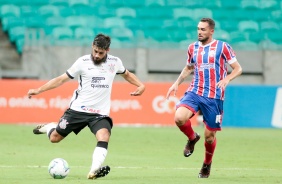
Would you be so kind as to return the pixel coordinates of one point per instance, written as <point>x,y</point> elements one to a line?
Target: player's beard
<point>203,40</point>
<point>98,61</point>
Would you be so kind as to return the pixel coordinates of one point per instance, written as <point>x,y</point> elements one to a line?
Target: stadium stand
<point>252,22</point>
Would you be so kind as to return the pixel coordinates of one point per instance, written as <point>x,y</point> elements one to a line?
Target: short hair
<point>102,41</point>
<point>209,21</point>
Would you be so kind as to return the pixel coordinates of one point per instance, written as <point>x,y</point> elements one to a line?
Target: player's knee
<point>54,139</point>
<point>179,121</point>
<point>210,140</point>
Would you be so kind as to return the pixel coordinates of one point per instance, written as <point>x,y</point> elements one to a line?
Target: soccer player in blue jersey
<point>208,59</point>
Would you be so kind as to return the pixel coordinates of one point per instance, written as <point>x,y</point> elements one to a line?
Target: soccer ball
<point>58,168</point>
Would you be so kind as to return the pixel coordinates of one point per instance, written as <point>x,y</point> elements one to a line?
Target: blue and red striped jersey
<point>210,66</point>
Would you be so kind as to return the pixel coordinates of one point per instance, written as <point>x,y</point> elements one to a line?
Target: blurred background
<point>40,39</point>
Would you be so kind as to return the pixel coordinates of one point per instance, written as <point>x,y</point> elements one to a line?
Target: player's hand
<point>174,88</point>
<point>32,92</point>
<point>138,91</point>
<point>223,83</point>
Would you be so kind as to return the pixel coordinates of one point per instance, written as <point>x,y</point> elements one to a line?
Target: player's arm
<point>236,71</point>
<point>187,70</point>
<point>132,79</point>
<point>53,83</point>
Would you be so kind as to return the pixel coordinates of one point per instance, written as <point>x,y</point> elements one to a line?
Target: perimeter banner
<point>149,109</point>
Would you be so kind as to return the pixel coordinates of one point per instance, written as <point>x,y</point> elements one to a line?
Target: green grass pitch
<point>146,155</point>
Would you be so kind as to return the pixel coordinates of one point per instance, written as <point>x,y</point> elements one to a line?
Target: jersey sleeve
<point>74,70</point>
<point>120,67</point>
<point>229,54</point>
<point>189,60</point>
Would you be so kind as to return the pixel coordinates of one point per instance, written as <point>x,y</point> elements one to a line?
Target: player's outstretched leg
<point>43,128</point>
<point>205,171</point>
<point>103,171</point>
<point>189,147</point>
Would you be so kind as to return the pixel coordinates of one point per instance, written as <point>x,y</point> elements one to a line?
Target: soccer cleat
<point>205,171</point>
<point>40,129</point>
<point>103,171</point>
<point>189,147</point>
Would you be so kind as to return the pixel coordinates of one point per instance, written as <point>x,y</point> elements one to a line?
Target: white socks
<point>49,126</point>
<point>98,158</point>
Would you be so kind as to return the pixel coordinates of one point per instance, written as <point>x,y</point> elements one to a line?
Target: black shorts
<point>74,121</point>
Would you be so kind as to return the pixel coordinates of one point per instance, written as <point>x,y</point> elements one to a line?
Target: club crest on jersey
<point>63,123</point>
<point>111,68</point>
<point>211,53</point>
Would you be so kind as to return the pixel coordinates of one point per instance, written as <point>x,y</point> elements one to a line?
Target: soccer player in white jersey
<point>208,59</point>
<point>90,103</point>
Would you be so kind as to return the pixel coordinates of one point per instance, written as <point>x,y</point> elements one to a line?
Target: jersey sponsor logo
<point>100,86</point>
<point>204,66</point>
<point>90,68</point>
<point>211,53</point>
<point>88,109</point>
<point>86,59</point>
<point>63,123</point>
<point>96,82</point>
<point>112,58</point>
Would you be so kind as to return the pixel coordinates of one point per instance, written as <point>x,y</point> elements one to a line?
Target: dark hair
<point>102,41</point>
<point>209,21</point>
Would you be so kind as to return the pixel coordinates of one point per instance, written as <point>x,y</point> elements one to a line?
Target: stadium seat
<point>84,32</point>
<point>156,3</point>
<point>222,35</point>
<point>183,13</point>
<point>48,11</point>
<point>212,5</point>
<point>270,45</point>
<point>133,24</point>
<point>174,3</point>
<point>188,24</point>
<point>154,12</point>
<point>34,22</point>
<point>61,33</point>
<point>201,13</point>
<point>9,10</point>
<point>228,25</point>
<point>29,11</point>
<point>222,15</point>
<point>269,26</point>
<point>274,37</point>
<point>59,2</point>
<point>126,12</point>
<point>256,36</point>
<point>245,45</point>
<point>85,10</point>
<point>253,4</point>
<point>112,22</point>
<point>9,22</point>
<point>151,23</point>
<point>106,12</point>
<point>269,4</point>
<point>53,22</point>
<point>67,11</point>
<point>231,5</point>
<point>74,22</point>
<point>177,35</point>
<point>116,3</point>
<point>183,44</point>
<point>238,36</point>
<point>242,14</point>
<point>276,15</point>
<point>123,34</point>
<point>84,35</point>
<point>170,24</point>
<point>16,33</point>
<point>248,26</point>
<point>135,4</point>
<point>75,3</point>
